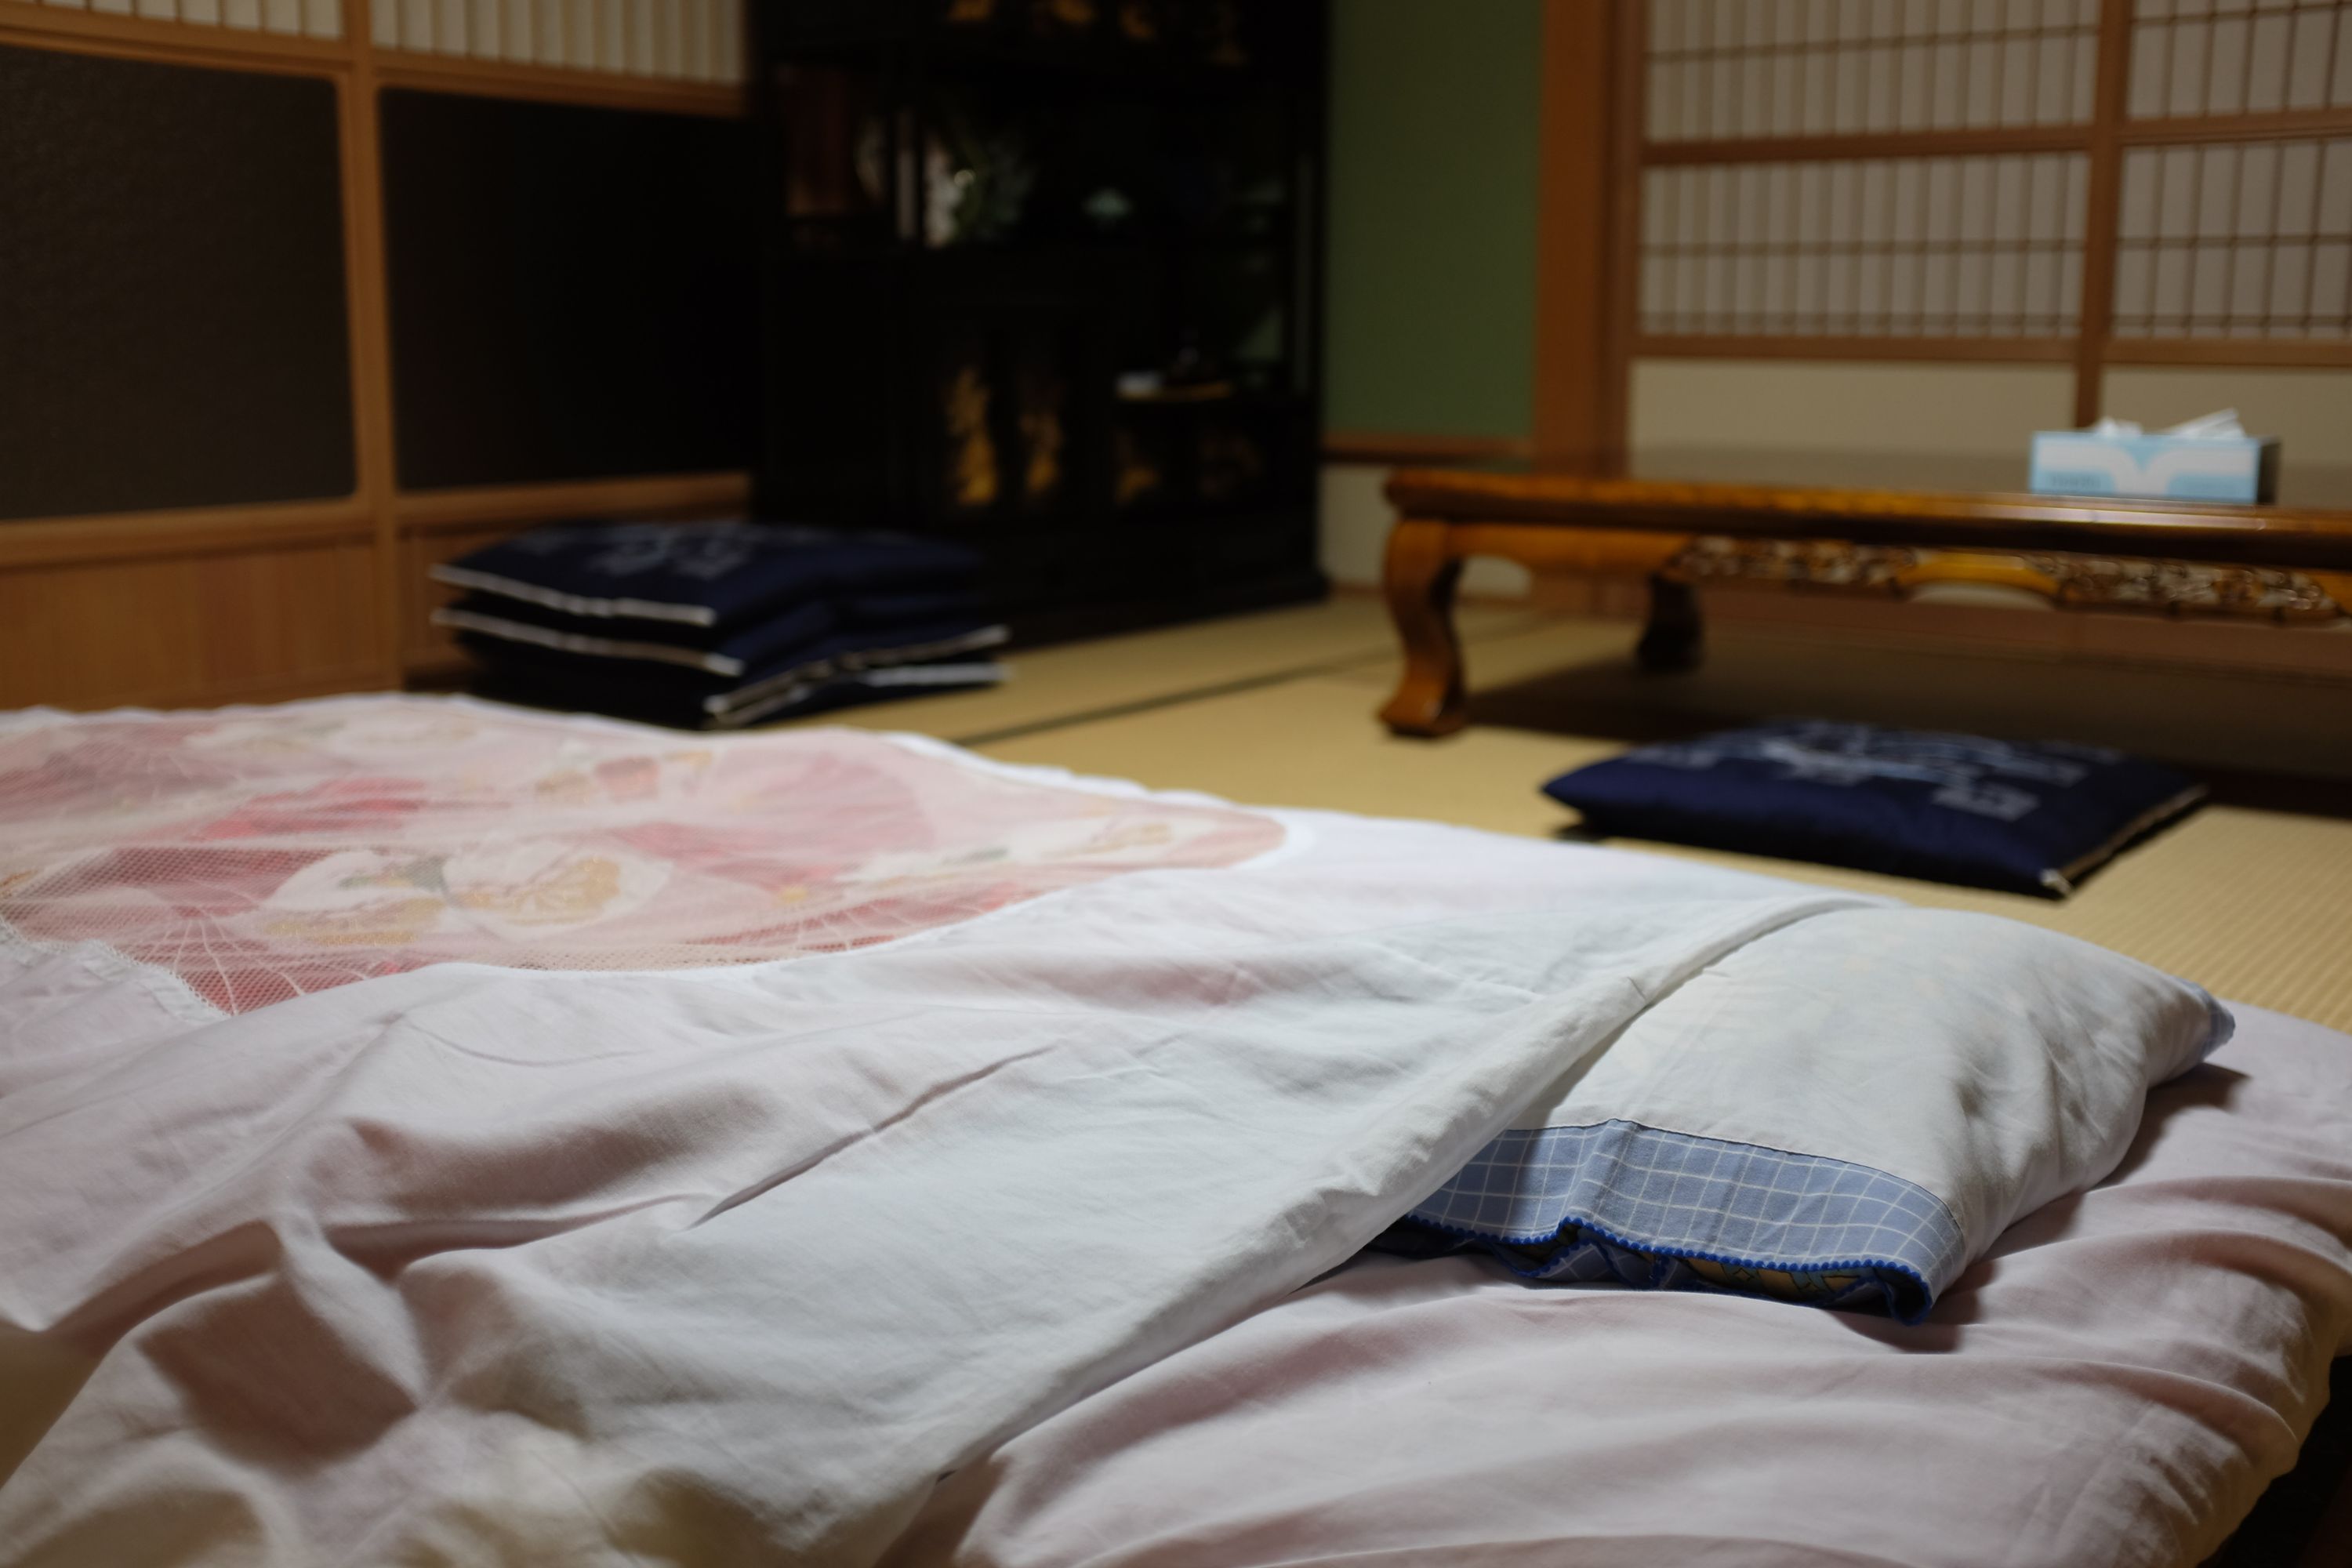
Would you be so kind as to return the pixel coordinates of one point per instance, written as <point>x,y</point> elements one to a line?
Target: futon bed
<point>436,1132</point>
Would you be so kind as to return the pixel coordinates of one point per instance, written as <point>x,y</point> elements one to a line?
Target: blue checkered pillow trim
<point>1620,1201</point>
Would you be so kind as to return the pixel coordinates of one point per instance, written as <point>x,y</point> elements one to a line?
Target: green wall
<point>1430,302</point>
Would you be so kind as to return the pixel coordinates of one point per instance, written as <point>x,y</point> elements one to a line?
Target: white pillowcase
<point>1846,1094</point>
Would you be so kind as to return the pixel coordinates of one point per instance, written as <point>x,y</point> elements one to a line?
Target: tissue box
<point>2157,468</point>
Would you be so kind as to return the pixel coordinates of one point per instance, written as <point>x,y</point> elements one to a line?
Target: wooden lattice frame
<point>404,530</point>
<point>2105,139</point>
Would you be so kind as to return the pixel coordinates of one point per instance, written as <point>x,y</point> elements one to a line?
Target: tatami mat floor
<point>2252,897</point>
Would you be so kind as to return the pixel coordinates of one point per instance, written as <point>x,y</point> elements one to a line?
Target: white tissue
<point>2220,426</point>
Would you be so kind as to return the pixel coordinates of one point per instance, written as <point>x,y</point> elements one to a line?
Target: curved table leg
<point>1418,579</point>
<point>1675,638</point>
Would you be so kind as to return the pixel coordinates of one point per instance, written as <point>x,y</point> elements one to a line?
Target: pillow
<point>700,574</point>
<point>1849,1144</point>
<point>1948,809</point>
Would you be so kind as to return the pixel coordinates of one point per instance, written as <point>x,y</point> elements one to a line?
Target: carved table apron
<point>2274,563</point>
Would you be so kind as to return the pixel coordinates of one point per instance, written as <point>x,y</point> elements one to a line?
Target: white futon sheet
<point>2113,1385</point>
<point>425,1194</point>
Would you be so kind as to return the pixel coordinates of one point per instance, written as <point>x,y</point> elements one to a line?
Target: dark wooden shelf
<point>969,388</point>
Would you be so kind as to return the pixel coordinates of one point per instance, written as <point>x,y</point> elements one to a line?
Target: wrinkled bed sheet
<point>483,1262</point>
<point>2113,1385</point>
<point>316,1244</point>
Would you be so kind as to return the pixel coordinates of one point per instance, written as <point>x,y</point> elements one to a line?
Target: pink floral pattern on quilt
<point>262,853</point>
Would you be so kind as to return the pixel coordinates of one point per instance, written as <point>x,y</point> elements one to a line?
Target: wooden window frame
<point>1596,150</point>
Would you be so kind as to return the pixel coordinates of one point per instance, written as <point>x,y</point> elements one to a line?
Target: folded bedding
<point>705,575</point>
<point>911,609</point>
<point>720,670</point>
<point>428,1131</point>
<point>554,669</point>
<point>730,654</point>
<point>717,625</point>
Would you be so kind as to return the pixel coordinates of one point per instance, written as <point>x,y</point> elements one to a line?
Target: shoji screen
<point>2224,239</point>
<point>691,40</point>
<point>684,40</point>
<point>1868,171</point>
<point>1984,252</point>
<point>2075,181</point>
<point>307,18</point>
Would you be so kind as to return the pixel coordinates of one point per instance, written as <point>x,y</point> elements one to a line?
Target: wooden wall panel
<point>180,180</point>
<point>171,287</point>
<point>571,291</point>
<point>251,625</point>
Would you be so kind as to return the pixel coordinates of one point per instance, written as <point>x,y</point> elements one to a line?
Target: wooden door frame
<point>1587,232</point>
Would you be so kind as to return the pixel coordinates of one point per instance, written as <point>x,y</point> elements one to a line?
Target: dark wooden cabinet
<point>1044,274</point>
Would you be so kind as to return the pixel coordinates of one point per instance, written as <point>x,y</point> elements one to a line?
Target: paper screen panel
<point>305,18</point>
<point>1725,69</point>
<point>670,40</point>
<point>1976,246</point>
<point>2198,57</point>
<point>673,40</point>
<point>261,853</point>
<point>2236,240</point>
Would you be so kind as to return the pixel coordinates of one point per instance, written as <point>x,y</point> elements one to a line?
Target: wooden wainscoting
<point>257,621</point>
<point>259,604</point>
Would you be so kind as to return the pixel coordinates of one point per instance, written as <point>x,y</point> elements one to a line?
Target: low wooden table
<point>2167,557</point>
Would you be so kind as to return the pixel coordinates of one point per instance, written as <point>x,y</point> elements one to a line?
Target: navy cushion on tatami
<point>1955,808</point>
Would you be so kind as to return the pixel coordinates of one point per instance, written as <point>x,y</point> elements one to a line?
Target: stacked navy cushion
<point>716,624</point>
